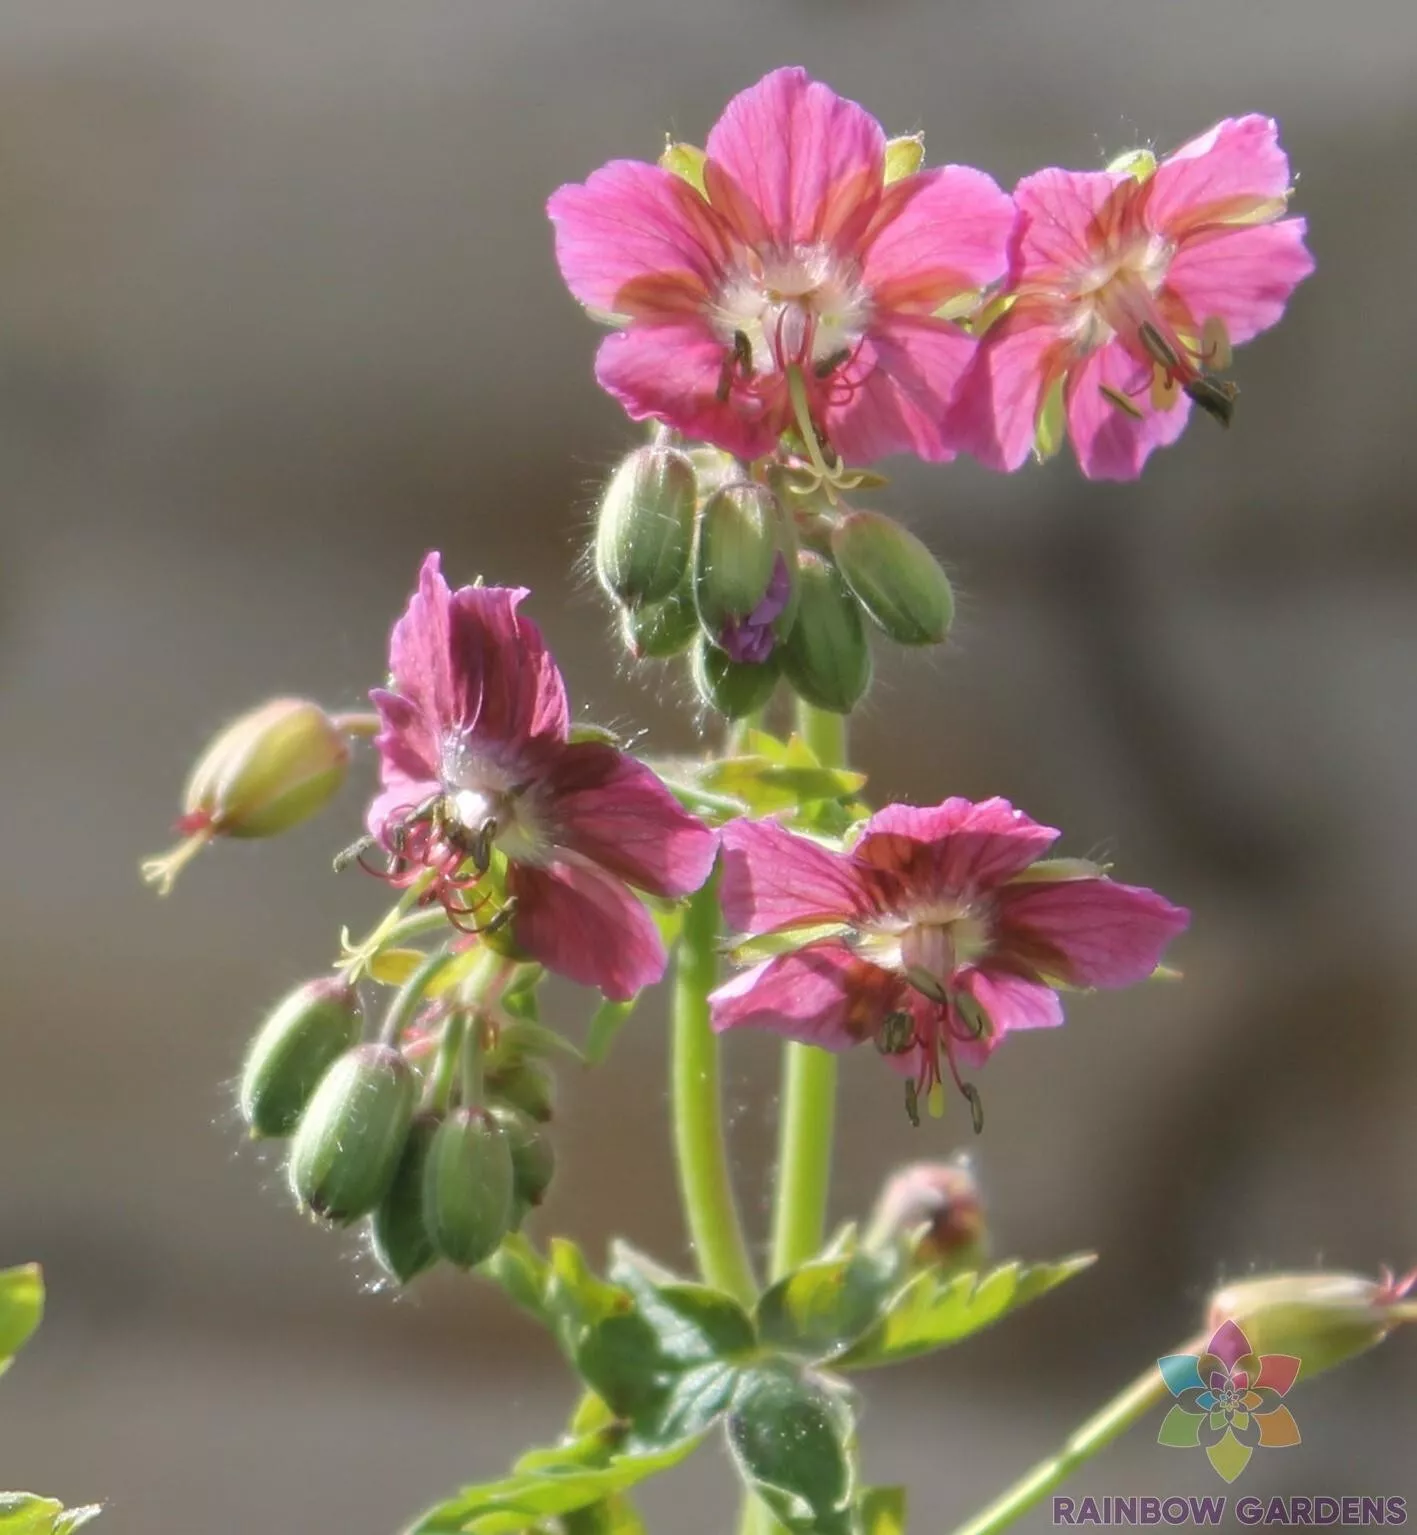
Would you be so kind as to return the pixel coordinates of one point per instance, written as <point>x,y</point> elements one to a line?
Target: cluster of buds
<point>932,1213</point>
<point>441,1163</point>
<point>759,576</point>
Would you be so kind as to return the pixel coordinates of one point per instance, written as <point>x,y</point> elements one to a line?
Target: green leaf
<point>21,1307</point>
<point>765,786</point>
<point>22,1513</point>
<point>826,1305</point>
<point>793,1439</point>
<point>694,1322</point>
<point>522,1272</point>
<point>605,1024</point>
<point>692,1405</point>
<point>883,1511</point>
<point>615,1516</point>
<point>934,1310</point>
<point>554,1483</point>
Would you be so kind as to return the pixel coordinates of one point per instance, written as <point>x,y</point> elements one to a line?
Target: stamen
<point>1215,396</point>
<point>1122,402</point>
<point>896,1034</point>
<point>1157,347</point>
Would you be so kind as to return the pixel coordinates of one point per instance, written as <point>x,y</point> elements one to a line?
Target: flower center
<point>928,945</point>
<point>487,807</point>
<point>805,305</point>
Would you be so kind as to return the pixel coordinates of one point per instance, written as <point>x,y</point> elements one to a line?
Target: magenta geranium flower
<point>475,760</point>
<point>784,264</point>
<point>1130,286</point>
<point>936,934</point>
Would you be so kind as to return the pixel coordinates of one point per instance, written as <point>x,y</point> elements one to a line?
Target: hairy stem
<point>707,1191</point>
<point>809,1086</point>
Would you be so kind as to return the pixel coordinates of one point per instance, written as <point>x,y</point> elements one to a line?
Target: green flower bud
<point>744,558</point>
<point>894,577</point>
<point>1322,1319</point>
<point>732,688</point>
<point>933,1210</point>
<point>398,1233</point>
<point>524,1085</point>
<point>656,630</point>
<point>533,1157</point>
<point>467,1187</point>
<point>295,1047</point>
<point>645,527</point>
<point>826,658</point>
<point>713,468</point>
<point>350,1138</point>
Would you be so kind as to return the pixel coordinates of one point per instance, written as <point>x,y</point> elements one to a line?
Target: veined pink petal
<point>822,995</point>
<point>1087,932</point>
<point>808,158</point>
<point>1227,172</point>
<point>409,740</point>
<point>1010,1001</point>
<point>421,652</point>
<point>1244,276</point>
<point>774,879</point>
<point>995,411</point>
<point>954,846</point>
<point>637,240</point>
<point>584,924</point>
<point>511,689</point>
<point>937,234</point>
<point>1067,220</point>
<point>913,363</point>
<point>614,811</point>
<point>671,373</point>
<point>1110,443</point>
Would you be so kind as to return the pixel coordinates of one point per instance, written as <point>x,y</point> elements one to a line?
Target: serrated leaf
<point>693,1322</point>
<point>693,1404</point>
<point>24,1513</point>
<point>605,1024</point>
<point>882,1511</point>
<point>821,1308</point>
<point>21,1308</point>
<point>933,1311</point>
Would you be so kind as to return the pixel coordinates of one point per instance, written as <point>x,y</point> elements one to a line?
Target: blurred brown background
<point>277,313</point>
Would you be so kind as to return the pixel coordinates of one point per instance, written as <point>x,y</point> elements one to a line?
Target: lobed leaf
<point>822,1308</point>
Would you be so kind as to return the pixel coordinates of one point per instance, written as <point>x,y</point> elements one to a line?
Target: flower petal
<point>1011,1001</point>
<point>409,741</point>
<point>671,373</point>
<point>636,240</point>
<point>913,365</point>
<point>1087,932</point>
<point>954,846</point>
<point>1067,220</point>
<point>937,234</point>
<point>822,995</point>
<point>509,687</point>
<point>995,411</point>
<point>585,925</point>
<point>807,158</point>
<point>401,796</point>
<point>774,879</point>
<point>613,810</point>
<point>421,662</point>
<point>1111,443</point>
<point>1244,276</point>
<point>1229,172</point>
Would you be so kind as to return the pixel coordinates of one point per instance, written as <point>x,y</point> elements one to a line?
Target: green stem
<point>1144,1393</point>
<point>804,1144</point>
<point>409,995</point>
<point>709,1206</point>
<point>440,1082</point>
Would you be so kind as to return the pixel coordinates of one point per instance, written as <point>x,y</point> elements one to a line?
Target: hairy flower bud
<point>398,1234</point>
<point>894,577</point>
<point>935,1207</point>
<point>826,657</point>
<point>350,1138</point>
<point>467,1187</point>
<point>526,1086</point>
<point>744,571</point>
<point>655,631</point>
<point>296,1045</point>
<point>264,774</point>
<point>1321,1319</point>
<point>645,526</point>
<point>533,1156</point>
<point>732,688</point>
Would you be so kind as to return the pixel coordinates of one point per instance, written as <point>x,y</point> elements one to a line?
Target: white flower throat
<point>806,305</point>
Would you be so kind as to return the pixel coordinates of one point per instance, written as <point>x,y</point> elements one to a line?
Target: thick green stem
<point>1144,1393</point>
<point>809,1086</point>
<point>410,995</point>
<point>709,1206</point>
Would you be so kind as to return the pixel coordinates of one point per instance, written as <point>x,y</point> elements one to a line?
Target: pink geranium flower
<point>1130,286</point>
<point>475,760</point>
<point>936,934</point>
<point>787,266</point>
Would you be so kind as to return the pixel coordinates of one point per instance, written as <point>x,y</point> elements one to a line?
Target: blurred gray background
<point>277,313</point>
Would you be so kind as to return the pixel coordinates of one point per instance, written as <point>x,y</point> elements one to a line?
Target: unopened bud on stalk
<point>1321,1319</point>
<point>732,688</point>
<point>894,577</point>
<point>350,1138</point>
<point>937,1206</point>
<point>645,527</point>
<point>533,1157</point>
<point>295,1047</point>
<point>264,774</point>
<point>655,631</point>
<point>526,1086</point>
<point>826,657</point>
<point>467,1187</point>
<point>398,1233</point>
<point>744,571</point>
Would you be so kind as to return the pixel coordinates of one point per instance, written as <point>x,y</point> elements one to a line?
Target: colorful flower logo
<point>1228,1400</point>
